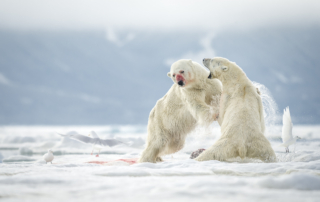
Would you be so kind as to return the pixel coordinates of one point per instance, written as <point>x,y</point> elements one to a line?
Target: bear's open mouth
<point>180,80</point>
<point>180,83</point>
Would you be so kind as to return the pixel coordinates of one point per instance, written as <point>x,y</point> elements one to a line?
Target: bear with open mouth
<point>193,99</point>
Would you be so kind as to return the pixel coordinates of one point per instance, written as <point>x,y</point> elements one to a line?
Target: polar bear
<point>240,115</point>
<point>190,100</point>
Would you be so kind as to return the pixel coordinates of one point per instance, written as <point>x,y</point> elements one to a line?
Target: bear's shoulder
<point>171,96</point>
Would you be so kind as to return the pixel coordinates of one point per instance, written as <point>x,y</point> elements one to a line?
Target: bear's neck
<point>198,84</point>
<point>230,81</point>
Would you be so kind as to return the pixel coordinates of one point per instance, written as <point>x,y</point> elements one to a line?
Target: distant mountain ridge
<point>82,78</point>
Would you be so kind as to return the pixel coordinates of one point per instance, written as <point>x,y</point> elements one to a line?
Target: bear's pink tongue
<point>179,78</point>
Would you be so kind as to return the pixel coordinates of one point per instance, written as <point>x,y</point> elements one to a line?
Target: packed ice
<point>24,175</point>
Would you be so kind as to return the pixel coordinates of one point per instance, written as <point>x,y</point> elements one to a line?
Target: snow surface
<point>24,176</point>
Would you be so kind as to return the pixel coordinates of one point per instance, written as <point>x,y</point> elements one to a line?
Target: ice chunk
<point>69,143</point>
<point>25,151</point>
<point>18,139</point>
<point>1,157</point>
<point>18,159</point>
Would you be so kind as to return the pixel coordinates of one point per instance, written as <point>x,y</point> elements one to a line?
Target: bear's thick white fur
<point>189,101</point>
<point>240,116</point>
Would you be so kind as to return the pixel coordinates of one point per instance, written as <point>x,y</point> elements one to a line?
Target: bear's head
<point>185,73</point>
<point>217,66</point>
<point>223,69</point>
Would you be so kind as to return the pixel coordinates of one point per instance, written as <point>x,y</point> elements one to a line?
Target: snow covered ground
<point>25,177</point>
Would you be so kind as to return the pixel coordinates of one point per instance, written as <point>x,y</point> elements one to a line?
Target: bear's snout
<point>206,62</point>
<point>179,77</point>
<point>180,80</point>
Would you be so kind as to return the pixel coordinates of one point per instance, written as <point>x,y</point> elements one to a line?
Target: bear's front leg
<point>149,155</point>
<point>215,104</point>
<point>200,110</point>
<point>159,159</point>
<point>151,152</point>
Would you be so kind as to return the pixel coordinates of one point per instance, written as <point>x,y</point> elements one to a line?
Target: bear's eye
<point>181,72</point>
<point>174,75</point>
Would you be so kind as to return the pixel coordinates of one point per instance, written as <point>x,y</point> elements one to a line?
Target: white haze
<point>162,15</point>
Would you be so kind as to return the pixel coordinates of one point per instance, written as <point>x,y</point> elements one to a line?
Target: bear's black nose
<point>203,60</point>
<point>180,83</point>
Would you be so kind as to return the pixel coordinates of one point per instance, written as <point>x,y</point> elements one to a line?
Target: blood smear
<point>129,161</point>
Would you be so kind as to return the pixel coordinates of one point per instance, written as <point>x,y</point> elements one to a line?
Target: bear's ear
<point>224,68</point>
<point>169,74</point>
<point>190,62</point>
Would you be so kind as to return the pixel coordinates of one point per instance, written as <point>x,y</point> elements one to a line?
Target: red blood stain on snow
<point>129,161</point>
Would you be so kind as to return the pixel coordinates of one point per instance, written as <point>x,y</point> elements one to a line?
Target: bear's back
<point>243,109</point>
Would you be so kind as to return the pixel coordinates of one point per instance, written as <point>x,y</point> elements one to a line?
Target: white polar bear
<point>190,100</point>
<point>240,116</point>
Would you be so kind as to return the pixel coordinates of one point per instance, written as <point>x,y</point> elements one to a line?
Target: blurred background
<point>105,62</point>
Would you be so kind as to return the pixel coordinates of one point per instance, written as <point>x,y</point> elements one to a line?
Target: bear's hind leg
<point>220,151</point>
<point>262,150</point>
